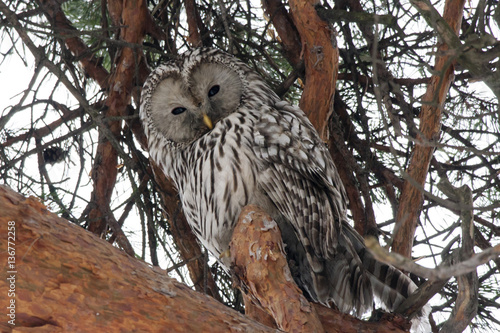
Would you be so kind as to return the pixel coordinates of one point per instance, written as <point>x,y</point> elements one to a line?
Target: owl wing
<point>300,178</point>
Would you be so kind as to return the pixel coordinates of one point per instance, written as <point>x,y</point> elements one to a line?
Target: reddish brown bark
<point>430,121</point>
<point>259,260</point>
<point>69,280</point>
<point>316,101</point>
<point>338,322</point>
<point>256,312</point>
<point>133,17</point>
<point>68,33</point>
<point>289,36</point>
<point>194,37</point>
<point>320,54</point>
<point>264,278</point>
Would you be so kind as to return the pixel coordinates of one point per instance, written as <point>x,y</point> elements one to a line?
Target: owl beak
<point>207,121</point>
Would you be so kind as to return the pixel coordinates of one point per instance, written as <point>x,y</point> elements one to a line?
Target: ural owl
<point>227,140</point>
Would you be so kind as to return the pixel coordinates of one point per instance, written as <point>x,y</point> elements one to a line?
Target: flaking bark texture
<point>261,267</point>
<point>69,280</point>
<point>262,274</point>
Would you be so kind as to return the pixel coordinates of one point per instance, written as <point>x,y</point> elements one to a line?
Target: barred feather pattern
<point>260,150</point>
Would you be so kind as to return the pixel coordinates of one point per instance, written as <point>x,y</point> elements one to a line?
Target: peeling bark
<point>67,279</point>
<point>261,267</point>
<point>263,276</point>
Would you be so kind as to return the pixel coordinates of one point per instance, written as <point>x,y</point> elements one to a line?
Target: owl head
<point>185,98</point>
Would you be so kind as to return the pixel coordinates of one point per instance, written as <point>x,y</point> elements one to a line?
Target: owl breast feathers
<point>226,140</point>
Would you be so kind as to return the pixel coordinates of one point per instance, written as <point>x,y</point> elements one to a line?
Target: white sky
<point>14,78</point>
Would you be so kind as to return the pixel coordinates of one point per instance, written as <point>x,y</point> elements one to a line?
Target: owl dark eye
<point>178,110</point>
<point>213,91</point>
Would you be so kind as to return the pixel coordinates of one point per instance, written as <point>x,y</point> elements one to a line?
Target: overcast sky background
<point>14,79</point>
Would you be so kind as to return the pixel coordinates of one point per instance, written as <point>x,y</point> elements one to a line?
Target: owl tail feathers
<point>421,323</point>
<point>348,285</point>
<point>390,286</point>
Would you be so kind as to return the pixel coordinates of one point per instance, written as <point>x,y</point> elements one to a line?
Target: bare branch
<point>438,273</point>
<point>466,304</point>
<point>468,55</point>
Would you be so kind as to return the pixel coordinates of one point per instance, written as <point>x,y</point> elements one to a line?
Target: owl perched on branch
<point>227,140</point>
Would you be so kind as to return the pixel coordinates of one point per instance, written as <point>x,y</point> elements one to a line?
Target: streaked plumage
<point>263,151</point>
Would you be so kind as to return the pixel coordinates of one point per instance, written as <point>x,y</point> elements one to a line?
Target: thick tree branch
<point>260,265</point>
<point>321,57</point>
<point>134,16</point>
<point>430,121</point>
<point>262,273</point>
<point>69,280</point>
